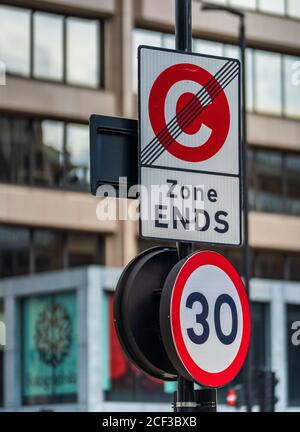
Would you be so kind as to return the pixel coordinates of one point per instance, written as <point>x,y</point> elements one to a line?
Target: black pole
<point>183,25</point>
<point>246,253</point>
<point>183,37</point>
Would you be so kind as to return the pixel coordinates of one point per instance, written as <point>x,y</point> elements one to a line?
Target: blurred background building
<point>67,59</point>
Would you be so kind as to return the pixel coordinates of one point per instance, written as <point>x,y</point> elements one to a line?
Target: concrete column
<point>94,345</point>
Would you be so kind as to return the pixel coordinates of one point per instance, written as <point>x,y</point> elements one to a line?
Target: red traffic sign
<point>192,112</point>
<point>205,319</point>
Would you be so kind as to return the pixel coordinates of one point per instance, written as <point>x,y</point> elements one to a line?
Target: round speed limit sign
<point>205,319</point>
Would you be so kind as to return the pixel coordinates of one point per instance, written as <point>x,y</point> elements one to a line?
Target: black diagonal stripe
<point>160,149</point>
<point>189,115</point>
<point>184,111</point>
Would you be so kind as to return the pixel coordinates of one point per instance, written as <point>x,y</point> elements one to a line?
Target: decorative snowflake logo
<point>53,334</point>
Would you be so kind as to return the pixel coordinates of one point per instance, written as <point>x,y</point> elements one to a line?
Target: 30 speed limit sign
<point>205,319</point>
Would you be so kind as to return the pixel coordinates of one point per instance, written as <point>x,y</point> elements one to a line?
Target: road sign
<point>189,147</point>
<point>205,319</point>
<point>136,311</point>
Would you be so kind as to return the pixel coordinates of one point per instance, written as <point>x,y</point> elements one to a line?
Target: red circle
<point>216,115</point>
<point>205,378</point>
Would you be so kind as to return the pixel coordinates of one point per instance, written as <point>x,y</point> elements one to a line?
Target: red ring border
<point>203,377</point>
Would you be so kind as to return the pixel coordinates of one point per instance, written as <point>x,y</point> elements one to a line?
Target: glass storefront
<point>49,347</point>
<point>124,382</point>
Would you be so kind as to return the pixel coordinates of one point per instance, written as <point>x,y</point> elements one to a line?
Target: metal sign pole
<point>183,35</point>
<point>187,399</point>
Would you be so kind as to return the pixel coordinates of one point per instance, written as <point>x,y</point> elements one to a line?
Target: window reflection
<point>202,46</point>
<point>144,37</point>
<point>43,152</point>
<point>269,265</point>
<point>124,381</point>
<point>249,80</point>
<point>77,155</point>
<point>15,139</point>
<point>294,267</point>
<point>268,182</point>
<point>292,169</point>
<point>84,249</point>
<point>247,4</point>
<point>14,251</point>
<point>293,8</point>
<point>48,250</point>
<point>83,38</point>
<point>48,153</point>
<point>168,41</point>
<point>268,82</point>
<point>15,39</point>
<point>271,6</point>
<point>232,51</point>
<point>48,46</point>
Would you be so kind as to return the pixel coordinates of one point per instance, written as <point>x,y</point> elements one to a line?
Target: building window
<point>84,249</point>
<point>49,349</point>
<point>48,249</point>
<point>14,251</point>
<point>292,184</point>
<point>202,46</point>
<point>268,265</point>
<point>247,4</point>
<point>64,49</point>
<point>48,46</point>
<point>293,267</point>
<point>270,6</point>
<point>83,39</point>
<point>268,181</point>
<point>25,250</point>
<point>274,181</point>
<point>44,153</point>
<point>49,150</point>
<point>2,347</point>
<point>293,352</point>
<point>15,39</point>
<point>267,67</point>
<point>77,156</point>
<point>293,9</point>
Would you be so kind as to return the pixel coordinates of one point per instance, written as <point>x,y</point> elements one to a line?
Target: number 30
<point>201,318</point>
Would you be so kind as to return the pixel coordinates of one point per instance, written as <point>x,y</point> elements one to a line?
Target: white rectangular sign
<point>189,147</point>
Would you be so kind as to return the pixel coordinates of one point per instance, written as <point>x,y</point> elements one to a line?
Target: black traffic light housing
<point>267,382</point>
